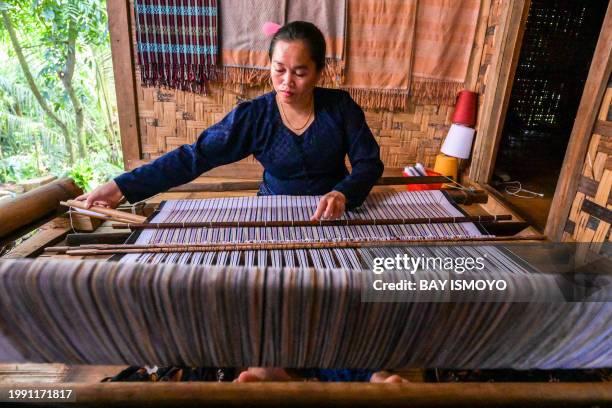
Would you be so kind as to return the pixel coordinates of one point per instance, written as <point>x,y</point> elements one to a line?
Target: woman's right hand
<point>106,195</point>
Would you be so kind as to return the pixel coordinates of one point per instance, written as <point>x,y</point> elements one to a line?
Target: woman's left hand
<point>331,207</point>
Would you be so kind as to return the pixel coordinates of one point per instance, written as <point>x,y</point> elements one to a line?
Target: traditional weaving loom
<point>258,306</point>
<point>188,278</point>
<point>289,307</point>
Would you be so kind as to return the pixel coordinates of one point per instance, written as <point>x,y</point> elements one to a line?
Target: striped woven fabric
<point>330,17</point>
<point>444,37</point>
<point>245,47</point>
<point>108,313</point>
<point>380,51</point>
<point>177,42</point>
<point>378,205</point>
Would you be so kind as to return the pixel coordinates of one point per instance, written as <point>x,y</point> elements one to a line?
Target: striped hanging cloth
<point>445,32</point>
<point>245,47</point>
<point>330,17</point>
<point>177,42</point>
<point>380,52</point>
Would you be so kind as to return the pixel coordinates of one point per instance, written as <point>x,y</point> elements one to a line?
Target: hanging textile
<point>445,31</point>
<point>380,52</point>
<point>177,42</point>
<point>245,47</point>
<point>330,17</point>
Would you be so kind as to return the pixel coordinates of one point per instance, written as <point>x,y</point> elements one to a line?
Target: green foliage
<point>82,174</point>
<point>19,167</point>
<point>31,143</point>
<point>93,171</point>
<point>49,24</point>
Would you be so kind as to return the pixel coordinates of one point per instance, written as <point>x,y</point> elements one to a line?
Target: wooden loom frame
<point>343,394</point>
<point>339,394</point>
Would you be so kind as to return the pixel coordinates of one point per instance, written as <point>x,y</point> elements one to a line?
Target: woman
<point>299,133</point>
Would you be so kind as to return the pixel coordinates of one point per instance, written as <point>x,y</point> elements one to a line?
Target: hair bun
<point>269,28</point>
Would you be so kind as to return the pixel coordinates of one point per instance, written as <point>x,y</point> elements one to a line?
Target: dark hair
<point>304,31</point>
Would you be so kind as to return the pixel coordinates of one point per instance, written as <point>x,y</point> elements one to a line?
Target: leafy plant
<point>82,174</point>
<point>58,110</point>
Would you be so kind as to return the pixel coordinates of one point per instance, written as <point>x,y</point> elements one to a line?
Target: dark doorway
<point>558,45</point>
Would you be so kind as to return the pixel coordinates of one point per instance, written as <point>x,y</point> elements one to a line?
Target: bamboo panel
<point>591,209</point>
<point>406,137</point>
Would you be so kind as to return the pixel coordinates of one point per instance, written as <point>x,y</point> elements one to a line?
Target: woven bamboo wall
<point>591,213</point>
<point>170,118</point>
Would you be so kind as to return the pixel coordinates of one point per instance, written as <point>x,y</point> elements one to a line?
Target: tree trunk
<point>34,88</point>
<point>66,78</point>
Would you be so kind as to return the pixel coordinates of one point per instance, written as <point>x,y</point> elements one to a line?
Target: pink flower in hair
<point>270,28</point>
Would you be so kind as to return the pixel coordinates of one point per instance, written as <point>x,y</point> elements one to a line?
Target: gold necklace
<point>287,119</point>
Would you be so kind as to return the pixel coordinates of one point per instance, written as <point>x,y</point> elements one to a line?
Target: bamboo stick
<point>320,223</point>
<point>98,216</point>
<point>248,246</point>
<point>116,215</point>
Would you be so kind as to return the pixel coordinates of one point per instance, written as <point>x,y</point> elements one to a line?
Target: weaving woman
<point>299,133</point>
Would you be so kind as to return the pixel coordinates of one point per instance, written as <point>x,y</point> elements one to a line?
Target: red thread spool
<point>465,109</point>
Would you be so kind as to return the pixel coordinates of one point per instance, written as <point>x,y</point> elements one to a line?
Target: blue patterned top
<point>308,164</point>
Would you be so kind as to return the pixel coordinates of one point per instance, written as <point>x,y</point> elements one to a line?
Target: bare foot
<point>256,374</point>
<point>387,377</point>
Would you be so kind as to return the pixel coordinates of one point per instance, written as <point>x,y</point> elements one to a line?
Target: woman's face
<point>294,74</point>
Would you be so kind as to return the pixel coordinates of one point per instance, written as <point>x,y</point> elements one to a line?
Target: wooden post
<point>120,28</point>
<point>592,96</point>
<point>497,93</point>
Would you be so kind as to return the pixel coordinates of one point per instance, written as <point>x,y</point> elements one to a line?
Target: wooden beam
<point>592,96</point>
<point>49,234</point>
<point>478,48</point>
<point>458,196</point>
<point>254,184</point>
<point>498,88</point>
<point>120,28</point>
<point>35,205</point>
<point>198,394</point>
<point>107,249</point>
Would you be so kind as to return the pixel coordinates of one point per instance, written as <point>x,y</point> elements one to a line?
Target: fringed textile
<point>380,52</point>
<point>245,47</point>
<point>330,17</point>
<point>444,38</point>
<point>177,43</point>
